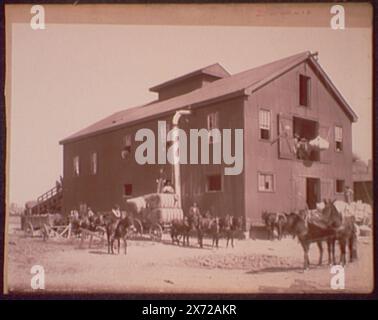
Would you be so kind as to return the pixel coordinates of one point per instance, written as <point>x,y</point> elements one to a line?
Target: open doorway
<point>312,192</point>
<point>305,130</point>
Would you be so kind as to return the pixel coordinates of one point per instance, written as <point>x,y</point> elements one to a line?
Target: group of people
<point>301,147</point>
<point>90,214</point>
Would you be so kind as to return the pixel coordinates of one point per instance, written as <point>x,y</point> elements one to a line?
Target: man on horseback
<point>116,214</point>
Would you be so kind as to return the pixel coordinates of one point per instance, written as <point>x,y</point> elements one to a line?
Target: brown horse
<point>345,233</point>
<point>182,228</point>
<point>117,229</point>
<point>207,225</point>
<point>334,228</point>
<point>308,233</point>
<point>229,226</point>
<point>274,221</point>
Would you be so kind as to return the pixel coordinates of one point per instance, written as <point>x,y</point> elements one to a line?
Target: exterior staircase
<point>49,202</point>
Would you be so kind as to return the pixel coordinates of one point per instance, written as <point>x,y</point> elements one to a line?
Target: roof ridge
<point>233,84</point>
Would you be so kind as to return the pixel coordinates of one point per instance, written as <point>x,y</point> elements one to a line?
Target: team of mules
<point>206,226</point>
<point>329,226</point>
<point>181,230</point>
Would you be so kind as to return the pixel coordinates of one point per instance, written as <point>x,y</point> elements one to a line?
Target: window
<point>266,181</point>
<point>264,124</point>
<point>126,150</point>
<point>128,189</point>
<point>76,166</point>
<point>214,182</point>
<point>213,123</point>
<point>340,184</point>
<point>339,138</point>
<point>304,90</point>
<point>94,163</point>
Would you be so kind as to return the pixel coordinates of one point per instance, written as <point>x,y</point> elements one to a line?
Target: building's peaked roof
<point>241,83</point>
<point>215,70</point>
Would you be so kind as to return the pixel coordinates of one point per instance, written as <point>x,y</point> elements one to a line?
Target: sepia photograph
<point>189,149</point>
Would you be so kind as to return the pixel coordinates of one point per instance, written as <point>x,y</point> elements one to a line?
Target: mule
<point>274,221</point>
<point>332,227</point>
<point>230,225</point>
<point>207,226</point>
<point>117,230</point>
<point>308,233</point>
<point>181,228</point>
<point>345,232</point>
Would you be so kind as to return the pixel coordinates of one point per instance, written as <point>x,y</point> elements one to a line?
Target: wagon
<point>154,213</point>
<point>45,225</point>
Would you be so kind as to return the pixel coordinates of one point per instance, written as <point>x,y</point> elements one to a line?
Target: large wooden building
<point>274,104</point>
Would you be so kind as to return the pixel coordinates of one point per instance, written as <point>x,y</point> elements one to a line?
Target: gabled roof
<point>243,83</point>
<point>215,70</point>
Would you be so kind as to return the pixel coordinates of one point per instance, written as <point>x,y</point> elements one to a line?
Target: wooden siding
<point>103,190</point>
<point>281,97</point>
<point>239,194</point>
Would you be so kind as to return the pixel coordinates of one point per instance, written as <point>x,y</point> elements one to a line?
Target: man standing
<point>194,210</point>
<point>348,195</point>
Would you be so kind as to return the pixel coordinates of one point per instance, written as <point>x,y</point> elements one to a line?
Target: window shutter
<point>325,155</point>
<point>285,141</point>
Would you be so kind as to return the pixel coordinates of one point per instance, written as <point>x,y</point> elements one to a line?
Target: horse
<point>207,225</point>
<point>274,220</point>
<point>117,230</point>
<point>307,233</point>
<point>182,228</point>
<point>332,227</point>
<point>345,232</point>
<point>215,231</point>
<point>229,226</point>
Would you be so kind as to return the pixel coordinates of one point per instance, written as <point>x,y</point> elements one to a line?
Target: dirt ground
<point>253,266</point>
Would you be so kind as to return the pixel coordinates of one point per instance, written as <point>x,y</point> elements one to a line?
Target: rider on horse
<point>116,213</point>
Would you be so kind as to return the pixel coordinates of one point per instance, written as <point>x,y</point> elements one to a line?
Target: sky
<point>70,75</point>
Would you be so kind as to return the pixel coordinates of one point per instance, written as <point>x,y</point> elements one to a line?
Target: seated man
<point>116,213</point>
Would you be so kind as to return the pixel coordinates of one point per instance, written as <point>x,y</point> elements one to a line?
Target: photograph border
<point>211,297</point>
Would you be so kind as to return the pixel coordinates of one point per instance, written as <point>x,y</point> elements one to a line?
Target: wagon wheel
<point>29,230</point>
<point>156,232</point>
<point>138,226</point>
